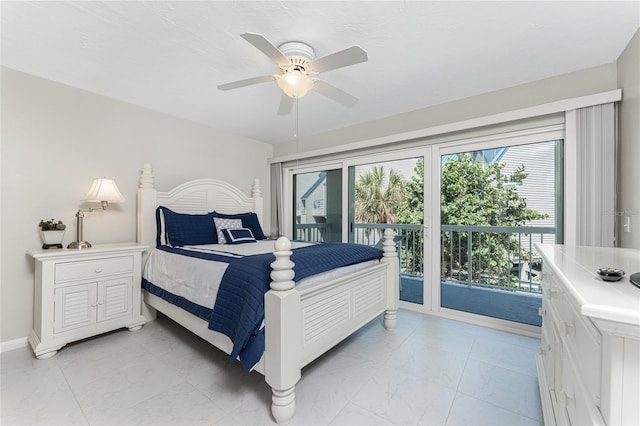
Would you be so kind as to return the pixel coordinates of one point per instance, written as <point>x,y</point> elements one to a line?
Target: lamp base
<point>79,245</point>
<point>48,246</point>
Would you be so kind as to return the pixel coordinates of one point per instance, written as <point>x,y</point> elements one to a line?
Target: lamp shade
<point>295,84</point>
<point>103,189</point>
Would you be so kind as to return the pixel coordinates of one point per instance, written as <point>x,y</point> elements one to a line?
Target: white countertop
<point>576,266</point>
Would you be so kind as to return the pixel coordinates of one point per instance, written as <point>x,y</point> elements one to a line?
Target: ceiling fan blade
<point>247,82</point>
<point>350,56</point>
<point>334,93</point>
<point>266,47</point>
<point>286,105</point>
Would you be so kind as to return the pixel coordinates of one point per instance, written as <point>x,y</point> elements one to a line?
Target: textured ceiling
<point>170,56</point>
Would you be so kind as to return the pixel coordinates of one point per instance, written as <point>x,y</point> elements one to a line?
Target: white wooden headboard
<point>196,196</point>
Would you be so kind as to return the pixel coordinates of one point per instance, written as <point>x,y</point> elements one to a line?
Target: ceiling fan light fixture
<point>295,84</point>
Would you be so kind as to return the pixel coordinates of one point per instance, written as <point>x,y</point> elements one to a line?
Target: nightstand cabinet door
<point>74,307</point>
<point>114,298</point>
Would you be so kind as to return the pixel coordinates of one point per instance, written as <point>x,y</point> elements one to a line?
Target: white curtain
<point>596,175</point>
<point>277,202</point>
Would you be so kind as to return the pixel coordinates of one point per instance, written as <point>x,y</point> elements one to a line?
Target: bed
<point>301,322</point>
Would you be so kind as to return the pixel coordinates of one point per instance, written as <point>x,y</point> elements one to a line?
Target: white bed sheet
<point>197,280</point>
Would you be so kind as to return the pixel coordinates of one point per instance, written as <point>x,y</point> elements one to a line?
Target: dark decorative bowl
<point>610,274</point>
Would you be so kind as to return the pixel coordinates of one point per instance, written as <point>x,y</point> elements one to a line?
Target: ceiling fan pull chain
<point>295,134</point>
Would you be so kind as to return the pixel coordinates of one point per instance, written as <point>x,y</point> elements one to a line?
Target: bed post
<point>146,224</point>
<point>256,194</point>
<point>146,199</point>
<point>390,256</point>
<point>283,334</point>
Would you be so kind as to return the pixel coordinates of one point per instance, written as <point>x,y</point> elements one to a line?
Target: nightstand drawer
<point>92,269</point>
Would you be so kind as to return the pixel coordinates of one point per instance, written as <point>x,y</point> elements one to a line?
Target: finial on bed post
<point>256,191</point>
<point>146,176</point>
<point>256,194</point>
<point>389,255</point>
<point>388,246</point>
<point>282,268</point>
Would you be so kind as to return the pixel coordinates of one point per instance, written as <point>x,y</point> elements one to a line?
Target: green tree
<point>377,195</point>
<point>472,194</point>
<point>411,211</point>
<point>475,194</point>
<point>411,208</point>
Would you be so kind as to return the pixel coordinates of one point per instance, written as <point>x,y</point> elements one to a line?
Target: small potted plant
<point>52,233</point>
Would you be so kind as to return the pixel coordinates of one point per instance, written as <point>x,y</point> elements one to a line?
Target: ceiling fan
<point>298,68</point>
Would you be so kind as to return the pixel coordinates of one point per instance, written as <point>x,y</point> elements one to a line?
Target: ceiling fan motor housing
<point>299,55</point>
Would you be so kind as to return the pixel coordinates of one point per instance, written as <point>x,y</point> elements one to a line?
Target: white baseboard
<point>14,344</point>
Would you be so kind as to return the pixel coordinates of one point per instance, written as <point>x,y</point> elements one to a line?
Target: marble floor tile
<point>468,411</point>
<point>508,389</point>
<point>403,398</point>
<point>38,395</point>
<point>352,415</point>
<point>503,354</point>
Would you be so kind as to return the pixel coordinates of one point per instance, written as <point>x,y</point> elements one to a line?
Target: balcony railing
<point>409,241</point>
<point>502,257</point>
<point>498,257</point>
<point>310,231</point>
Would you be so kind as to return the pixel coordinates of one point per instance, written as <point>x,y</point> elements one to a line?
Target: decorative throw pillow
<point>249,220</point>
<point>238,236</point>
<point>222,223</point>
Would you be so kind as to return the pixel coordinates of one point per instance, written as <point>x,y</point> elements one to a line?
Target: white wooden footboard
<point>301,325</point>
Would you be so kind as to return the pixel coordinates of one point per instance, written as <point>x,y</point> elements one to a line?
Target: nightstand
<point>82,293</point>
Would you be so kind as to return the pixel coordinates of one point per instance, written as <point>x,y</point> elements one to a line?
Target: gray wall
<point>629,144</point>
<point>579,83</point>
<point>56,139</point>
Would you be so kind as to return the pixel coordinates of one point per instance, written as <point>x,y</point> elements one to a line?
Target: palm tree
<point>377,197</point>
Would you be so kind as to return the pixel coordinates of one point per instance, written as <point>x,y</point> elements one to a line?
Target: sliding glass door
<point>390,194</point>
<point>496,203</point>
<point>317,206</point>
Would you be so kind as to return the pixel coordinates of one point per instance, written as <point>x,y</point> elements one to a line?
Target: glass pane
<point>390,195</point>
<point>318,206</point>
<point>495,204</point>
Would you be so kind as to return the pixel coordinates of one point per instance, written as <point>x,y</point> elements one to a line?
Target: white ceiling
<point>170,56</point>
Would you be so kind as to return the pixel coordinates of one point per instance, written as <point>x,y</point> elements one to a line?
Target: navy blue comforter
<point>239,309</point>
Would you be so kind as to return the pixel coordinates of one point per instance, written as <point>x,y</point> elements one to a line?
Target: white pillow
<point>225,224</point>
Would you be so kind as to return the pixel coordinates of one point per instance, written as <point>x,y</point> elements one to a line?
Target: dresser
<point>589,358</point>
<point>82,293</point>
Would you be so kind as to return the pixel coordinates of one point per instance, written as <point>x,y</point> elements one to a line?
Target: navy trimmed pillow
<point>222,224</point>
<point>238,236</point>
<point>249,220</point>
<point>181,229</point>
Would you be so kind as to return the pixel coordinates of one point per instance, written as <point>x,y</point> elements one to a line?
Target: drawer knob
<point>566,401</point>
<point>544,350</point>
<point>98,269</point>
<point>567,329</point>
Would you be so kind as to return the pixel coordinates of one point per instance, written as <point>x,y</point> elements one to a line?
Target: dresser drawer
<point>580,337</point>
<point>572,400</point>
<point>92,269</point>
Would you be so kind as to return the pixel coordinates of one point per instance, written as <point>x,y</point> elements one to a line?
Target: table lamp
<point>103,191</point>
